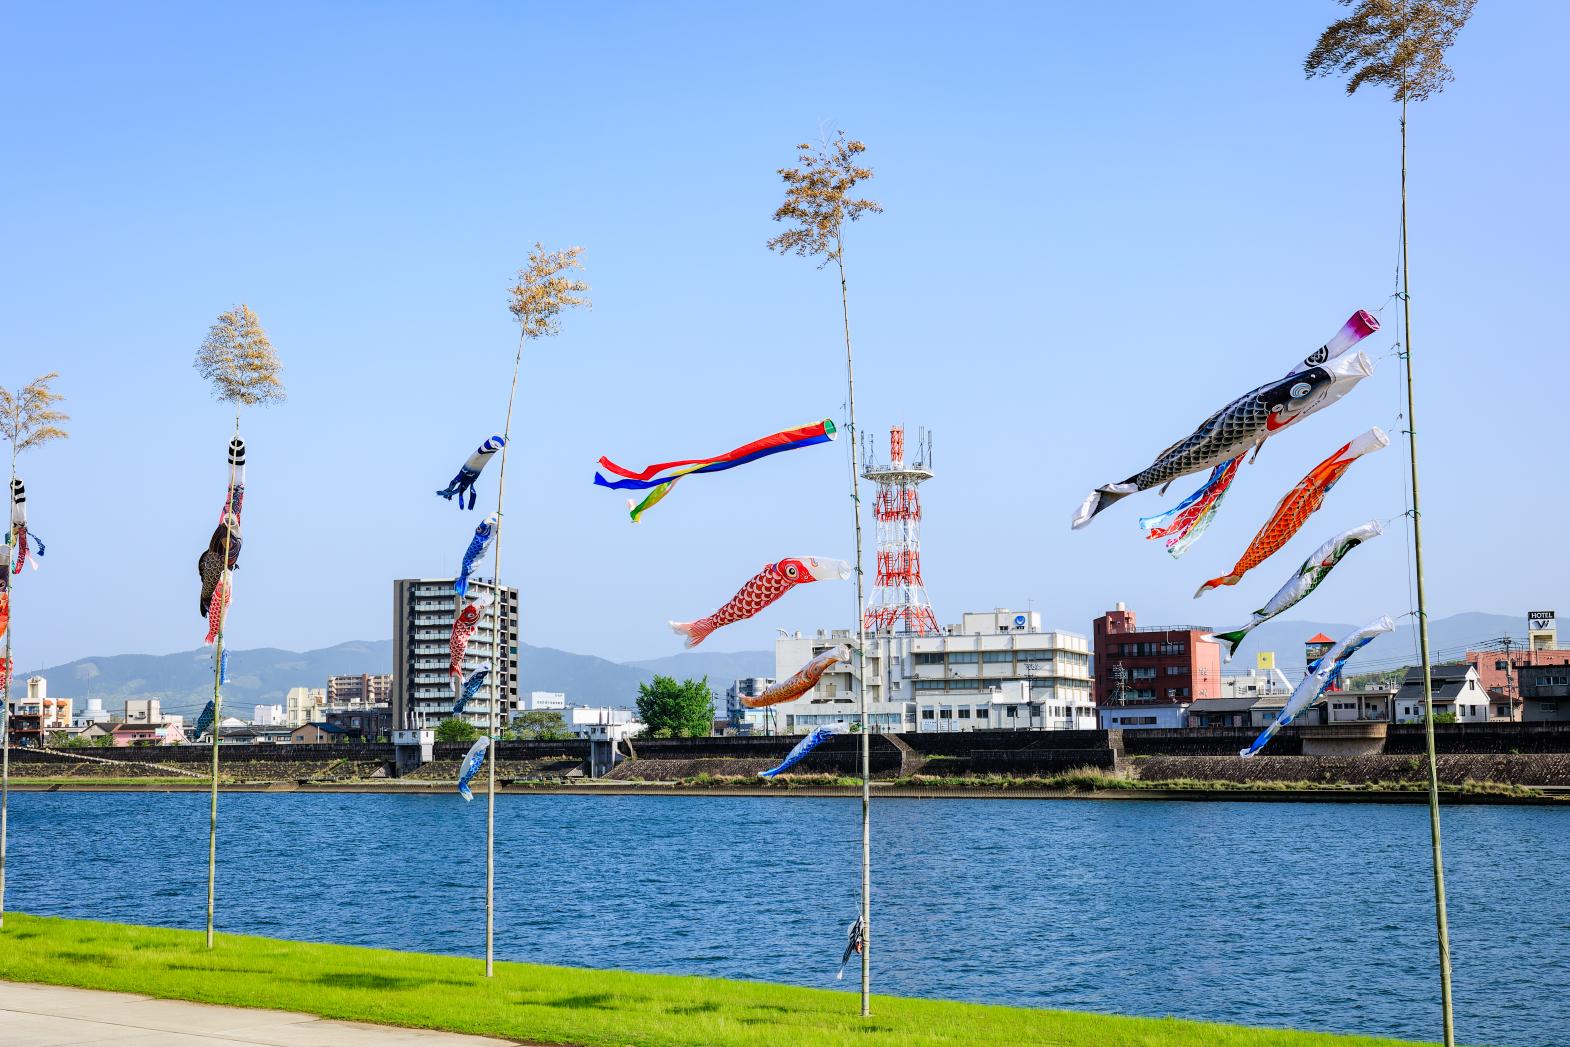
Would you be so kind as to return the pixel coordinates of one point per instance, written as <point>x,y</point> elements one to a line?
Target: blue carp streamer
<point>471,556</point>
<point>1321,675</point>
<point>805,746</point>
<point>471,687</point>
<point>473,760</point>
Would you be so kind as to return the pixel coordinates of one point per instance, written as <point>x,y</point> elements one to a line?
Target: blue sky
<point>1099,227</point>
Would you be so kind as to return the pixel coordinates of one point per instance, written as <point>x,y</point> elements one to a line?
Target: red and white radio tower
<point>899,602</point>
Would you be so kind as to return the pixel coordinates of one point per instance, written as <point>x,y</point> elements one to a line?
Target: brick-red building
<point>1146,676</point>
<point>1495,669</point>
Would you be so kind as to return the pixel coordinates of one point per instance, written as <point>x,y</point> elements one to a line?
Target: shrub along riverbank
<point>560,1005</point>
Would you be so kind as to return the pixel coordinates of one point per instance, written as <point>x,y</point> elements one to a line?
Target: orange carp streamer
<point>1297,506</point>
<point>806,679</point>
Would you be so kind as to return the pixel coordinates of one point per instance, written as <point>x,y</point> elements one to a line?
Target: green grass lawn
<point>561,1004</point>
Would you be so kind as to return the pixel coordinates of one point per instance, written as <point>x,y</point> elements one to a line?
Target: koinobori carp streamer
<point>1327,375</point>
<point>662,476</point>
<point>768,585</point>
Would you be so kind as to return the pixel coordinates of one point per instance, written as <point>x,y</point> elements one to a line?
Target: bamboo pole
<point>502,664</point>
<point>226,581</point>
<point>1441,919</point>
<point>861,651</point>
<point>5,711</point>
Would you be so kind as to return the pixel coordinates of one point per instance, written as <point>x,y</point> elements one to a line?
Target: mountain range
<point>262,676</point>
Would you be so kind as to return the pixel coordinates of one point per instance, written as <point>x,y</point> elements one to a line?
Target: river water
<point>1313,916</point>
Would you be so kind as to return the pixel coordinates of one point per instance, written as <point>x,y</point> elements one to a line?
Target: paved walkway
<point>50,1016</point>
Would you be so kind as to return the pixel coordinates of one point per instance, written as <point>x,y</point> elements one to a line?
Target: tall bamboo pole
<point>5,710</point>
<point>504,662</point>
<point>1441,919</point>
<point>861,651</point>
<point>226,580</point>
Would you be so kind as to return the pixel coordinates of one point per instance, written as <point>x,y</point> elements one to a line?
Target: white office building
<point>267,716</point>
<point>997,669</point>
<point>545,701</point>
<point>602,722</point>
<point>423,613</point>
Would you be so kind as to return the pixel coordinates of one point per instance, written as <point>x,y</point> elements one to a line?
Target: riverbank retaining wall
<point>1524,754</point>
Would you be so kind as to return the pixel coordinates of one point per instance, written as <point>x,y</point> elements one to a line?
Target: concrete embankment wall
<point>1534,769</point>
<point>1524,754</point>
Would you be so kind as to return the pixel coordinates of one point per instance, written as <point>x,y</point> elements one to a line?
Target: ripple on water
<point>1221,911</point>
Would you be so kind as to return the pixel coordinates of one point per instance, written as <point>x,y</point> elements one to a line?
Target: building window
<point>929,657</point>
<point>964,714</point>
<point>981,712</point>
<point>1012,712</point>
<point>1171,648</point>
<point>945,714</point>
<point>1177,670</point>
<point>962,658</point>
<point>926,714</point>
<point>997,656</point>
<point>1142,673</point>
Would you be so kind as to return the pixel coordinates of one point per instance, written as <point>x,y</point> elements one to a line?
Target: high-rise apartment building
<point>345,691</point>
<point>423,613</point>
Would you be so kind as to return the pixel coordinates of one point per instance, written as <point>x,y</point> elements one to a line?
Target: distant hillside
<point>721,667</point>
<point>1449,638</point>
<point>262,676</point>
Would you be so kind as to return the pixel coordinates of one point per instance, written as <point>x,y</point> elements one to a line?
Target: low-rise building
<point>602,722</point>
<point>363,723</point>
<point>538,701</point>
<point>1223,712</point>
<point>1545,693</point>
<point>267,715</point>
<point>317,733</point>
<point>37,716</point>
<point>1456,689</point>
<point>1012,705</point>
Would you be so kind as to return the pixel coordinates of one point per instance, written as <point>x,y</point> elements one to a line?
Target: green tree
<point>676,710</point>
<point>544,725</point>
<point>456,730</point>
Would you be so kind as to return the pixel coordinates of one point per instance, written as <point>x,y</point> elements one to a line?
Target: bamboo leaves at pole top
<point>28,417</point>
<point>1399,44</point>
<point>544,290</point>
<point>819,199</point>
<point>238,360</point>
